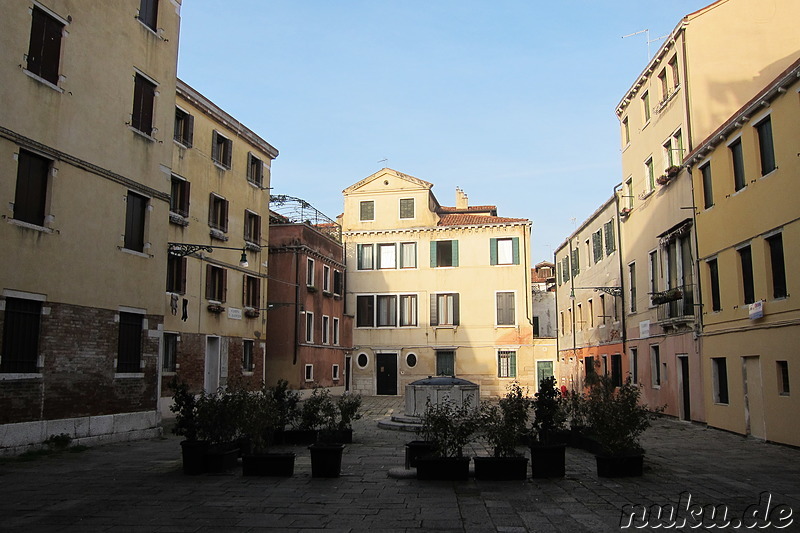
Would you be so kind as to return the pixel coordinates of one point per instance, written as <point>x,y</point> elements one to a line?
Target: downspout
<point>621,273</point>
<point>296,253</point>
<point>572,299</point>
<point>528,285</point>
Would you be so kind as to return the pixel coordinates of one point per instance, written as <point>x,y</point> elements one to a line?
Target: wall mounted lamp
<point>179,249</point>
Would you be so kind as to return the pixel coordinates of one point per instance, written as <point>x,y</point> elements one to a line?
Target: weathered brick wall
<point>78,348</point>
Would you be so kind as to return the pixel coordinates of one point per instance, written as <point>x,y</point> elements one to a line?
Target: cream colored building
<point>215,325</point>
<point>436,290</point>
<point>85,151</point>
<point>746,185</point>
<point>710,65</point>
<point>589,308</point>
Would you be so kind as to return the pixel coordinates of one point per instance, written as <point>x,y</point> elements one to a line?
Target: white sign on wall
<point>235,314</point>
<point>644,329</point>
<point>756,310</point>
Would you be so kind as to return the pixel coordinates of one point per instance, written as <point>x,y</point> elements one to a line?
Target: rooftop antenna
<point>649,40</point>
<point>384,161</point>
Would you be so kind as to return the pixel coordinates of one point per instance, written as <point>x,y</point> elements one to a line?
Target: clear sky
<point>511,100</point>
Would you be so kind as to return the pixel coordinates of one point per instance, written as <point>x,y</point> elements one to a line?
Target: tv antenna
<point>384,161</point>
<point>649,40</point>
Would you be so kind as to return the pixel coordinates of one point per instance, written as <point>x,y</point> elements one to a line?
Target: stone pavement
<point>138,486</point>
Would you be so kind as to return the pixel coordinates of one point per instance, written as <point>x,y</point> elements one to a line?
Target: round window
<point>362,360</point>
<point>411,360</point>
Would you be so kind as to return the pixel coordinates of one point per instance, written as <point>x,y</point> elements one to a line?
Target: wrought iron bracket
<point>613,291</point>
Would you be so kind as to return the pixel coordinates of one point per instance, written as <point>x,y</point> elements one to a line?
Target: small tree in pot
<point>549,438</point>
<point>449,427</point>
<point>187,424</point>
<point>503,427</point>
<point>259,418</point>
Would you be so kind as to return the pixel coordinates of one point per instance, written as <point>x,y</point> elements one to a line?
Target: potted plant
<point>549,439</point>
<point>663,179</point>
<point>449,427</point>
<point>340,428</point>
<point>672,171</point>
<point>286,405</point>
<point>218,414</point>
<point>503,427</point>
<point>618,421</point>
<point>625,212</point>
<point>576,409</point>
<point>259,417</point>
<point>320,413</point>
<point>187,424</point>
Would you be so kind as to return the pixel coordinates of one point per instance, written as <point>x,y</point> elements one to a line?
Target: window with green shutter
<point>597,245</point>
<point>504,251</point>
<point>608,229</point>
<point>506,364</point>
<point>444,254</point>
<point>576,266</point>
<point>505,309</point>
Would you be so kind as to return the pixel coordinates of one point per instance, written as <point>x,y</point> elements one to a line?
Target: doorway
<point>386,384</point>
<point>686,409</point>
<point>212,370</point>
<point>347,363</point>
<point>544,369</point>
<point>753,397</point>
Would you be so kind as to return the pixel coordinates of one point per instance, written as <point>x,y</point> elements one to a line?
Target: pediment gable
<point>396,181</point>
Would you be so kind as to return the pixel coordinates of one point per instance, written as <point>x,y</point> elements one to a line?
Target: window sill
<point>22,375</point>
<point>128,375</point>
<point>220,166</point>
<point>149,29</point>
<point>218,235</point>
<point>169,372</point>
<point>768,174</point>
<point>247,373</point>
<point>142,134</point>
<point>251,247</point>
<point>255,184</point>
<point>181,144</point>
<point>178,220</point>
<point>134,252</point>
<point>29,225</point>
<point>43,81</point>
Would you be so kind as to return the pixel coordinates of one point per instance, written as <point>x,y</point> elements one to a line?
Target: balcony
<point>675,306</point>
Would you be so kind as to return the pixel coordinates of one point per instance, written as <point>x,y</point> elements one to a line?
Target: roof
<point>383,171</point>
<point>477,220</point>
<point>491,209</point>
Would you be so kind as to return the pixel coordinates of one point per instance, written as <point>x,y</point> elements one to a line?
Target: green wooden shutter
<point>512,364</point>
<point>515,250</point>
<point>455,253</point>
<point>492,251</point>
<point>433,254</point>
<point>434,315</point>
<point>456,312</point>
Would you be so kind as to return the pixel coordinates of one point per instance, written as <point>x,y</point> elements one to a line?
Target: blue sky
<point>511,100</point>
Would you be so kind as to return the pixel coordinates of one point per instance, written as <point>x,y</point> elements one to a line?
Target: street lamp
<point>179,249</point>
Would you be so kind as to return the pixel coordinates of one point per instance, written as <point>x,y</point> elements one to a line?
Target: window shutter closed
<point>183,275</point>
<point>455,253</point>
<point>189,130</point>
<point>214,147</point>
<point>224,221</point>
<point>224,285</point>
<point>211,198</point>
<point>433,254</point>
<point>493,252</point>
<point>209,283</point>
<point>456,312</point>
<point>512,365</point>
<point>244,290</point>
<point>184,208</point>
<point>434,311</point>
<point>515,250</point>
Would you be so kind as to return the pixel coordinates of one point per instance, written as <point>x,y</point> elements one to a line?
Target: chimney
<point>462,202</point>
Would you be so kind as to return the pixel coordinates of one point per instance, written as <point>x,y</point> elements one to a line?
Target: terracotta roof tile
<point>474,220</point>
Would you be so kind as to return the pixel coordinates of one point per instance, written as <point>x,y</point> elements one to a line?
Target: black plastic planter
<point>268,464</point>
<point>547,460</point>
<point>501,468</point>
<point>326,460</point>
<point>416,449</point>
<point>443,468</point>
<point>193,453</point>
<point>221,457</point>
<point>620,466</point>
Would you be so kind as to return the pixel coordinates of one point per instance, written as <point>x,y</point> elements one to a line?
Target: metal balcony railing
<point>676,304</point>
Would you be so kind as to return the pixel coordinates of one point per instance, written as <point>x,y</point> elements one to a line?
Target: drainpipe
<point>621,272</point>
<point>572,298</point>
<point>296,253</point>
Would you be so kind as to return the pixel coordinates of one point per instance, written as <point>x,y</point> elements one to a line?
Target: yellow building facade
<point>85,145</point>
<point>745,183</point>
<point>436,290</point>
<point>215,325</point>
<point>711,63</point>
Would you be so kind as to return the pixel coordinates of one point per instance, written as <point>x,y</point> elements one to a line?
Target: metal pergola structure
<point>290,210</point>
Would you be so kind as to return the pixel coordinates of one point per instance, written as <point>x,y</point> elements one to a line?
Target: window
<point>650,174</point>
<point>445,363</point>
<point>444,254</point>
<point>129,347</point>
<point>252,227</point>
<point>597,246</point>
<point>632,282</point>
<point>221,150</point>
<point>406,208</point>
<point>21,336</point>
<point>148,13</point>
<point>676,76</point>
<point>408,255</point>
<point>737,159</point>
<point>602,315</point>
<point>536,331</point>
<point>713,274</point>
<point>576,265</point>
<point>588,253</point>
<point>387,256</point>
<point>629,193</point>
<point>505,309</point>
<point>387,310</point>
<point>746,261</point>
<point>411,360</point>
<point>634,365</point>
<point>363,360</point>
<point>579,317</point>
<point>408,309</point>
<point>365,256</point>
<point>216,283</point>
<point>444,309</point>
<point>309,272</point>
<point>176,274</point>
<point>783,377</point>
<point>719,369</point>
<point>591,312</point>
<point>30,197</point>
<point>144,95</point>
<point>588,366</point>
<point>608,231</point>
<point>616,369</point>
<point>309,326</point>
<point>646,106</point>
<point>765,147</point>
<point>255,170</point>
<point>655,366</point>
<point>309,372</point>
<point>335,331</point>
<point>326,326</point>
<point>367,210</point>
<point>662,80</point>
<point>44,50</point>
<point>169,363</point>
<point>248,362</point>
<point>565,268</point>
<point>135,210</point>
<point>506,364</point>
<point>708,194</point>
<point>504,251</point>
<point>326,278</point>
<point>365,311</point>
<point>335,372</point>
<point>179,196</point>
<point>677,147</point>
<point>218,212</point>
<point>338,281</point>
<point>777,265</point>
<point>252,292</point>
<point>653,272</point>
<point>626,131</point>
<point>184,128</point>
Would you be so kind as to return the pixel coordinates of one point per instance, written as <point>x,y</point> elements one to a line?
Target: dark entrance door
<point>347,363</point>
<point>387,374</point>
<point>686,412</point>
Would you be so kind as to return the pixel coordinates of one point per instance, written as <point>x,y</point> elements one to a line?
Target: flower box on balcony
<point>666,296</point>
<point>215,308</point>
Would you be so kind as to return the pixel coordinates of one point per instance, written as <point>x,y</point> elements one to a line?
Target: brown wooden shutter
<point>434,310</point>
<point>456,312</point>
<point>184,208</point>
<point>214,146</point>
<point>188,127</point>
<point>209,282</point>
<point>228,152</point>
<point>211,198</point>
<point>183,275</point>
<point>224,221</point>
<point>224,285</point>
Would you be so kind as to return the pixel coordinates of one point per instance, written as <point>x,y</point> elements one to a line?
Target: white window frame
<point>335,372</point>
<point>401,255</point>
<point>335,338</point>
<point>386,261</point>
<point>311,266</point>
<point>309,372</point>
<point>309,327</point>
<point>326,324</point>
<point>326,278</point>
<point>400,210</point>
<point>360,211</point>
